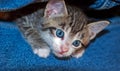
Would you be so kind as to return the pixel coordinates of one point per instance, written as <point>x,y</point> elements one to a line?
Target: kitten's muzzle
<point>64,49</point>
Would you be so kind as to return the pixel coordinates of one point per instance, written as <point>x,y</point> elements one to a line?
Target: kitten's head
<point>69,29</point>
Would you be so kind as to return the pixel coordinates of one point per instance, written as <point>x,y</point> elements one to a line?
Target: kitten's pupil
<point>76,43</point>
<point>59,33</point>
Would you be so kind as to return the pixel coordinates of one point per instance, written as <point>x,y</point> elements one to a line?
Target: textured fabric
<point>8,5</point>
<point>102,54</point>
<point>104,4</point>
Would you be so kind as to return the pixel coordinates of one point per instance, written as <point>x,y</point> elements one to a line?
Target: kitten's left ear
<point>96,27</point>
<point>55,8</point>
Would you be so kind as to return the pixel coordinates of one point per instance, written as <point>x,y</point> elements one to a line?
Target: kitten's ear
<point>55,8</point>
<point>96,27</point>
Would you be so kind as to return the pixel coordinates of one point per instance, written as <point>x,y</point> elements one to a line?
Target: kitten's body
<point>39,28</point>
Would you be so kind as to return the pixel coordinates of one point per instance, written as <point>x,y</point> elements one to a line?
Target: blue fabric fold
<point>9,5</point>
<point>104,4</point>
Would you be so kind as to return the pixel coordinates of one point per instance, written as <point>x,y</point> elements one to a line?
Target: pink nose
<point>64,49</point>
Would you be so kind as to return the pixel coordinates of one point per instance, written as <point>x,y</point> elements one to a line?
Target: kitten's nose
<point>64,49</point>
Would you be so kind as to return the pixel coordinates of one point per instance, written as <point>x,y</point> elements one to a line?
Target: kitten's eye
<point>59,33</point>
<point>76,43</point>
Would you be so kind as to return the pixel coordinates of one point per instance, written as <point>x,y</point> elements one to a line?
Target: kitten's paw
<point>42,52</point>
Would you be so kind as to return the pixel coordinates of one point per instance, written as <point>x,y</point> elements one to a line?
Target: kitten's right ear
<point>55,8</point>
<point>96,27</point>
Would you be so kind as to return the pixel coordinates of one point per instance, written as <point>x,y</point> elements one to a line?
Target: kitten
<point>62,29</point>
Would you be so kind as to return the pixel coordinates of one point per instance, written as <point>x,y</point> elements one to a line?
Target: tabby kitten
<point>62,29</point>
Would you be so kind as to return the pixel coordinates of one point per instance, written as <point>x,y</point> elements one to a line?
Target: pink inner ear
<point>50,12</point>
<point>55,7</point>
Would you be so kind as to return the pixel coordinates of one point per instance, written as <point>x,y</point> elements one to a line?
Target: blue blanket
<point>103,54</point>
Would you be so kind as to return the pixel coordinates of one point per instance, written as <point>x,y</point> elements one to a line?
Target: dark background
<point>84,5</point>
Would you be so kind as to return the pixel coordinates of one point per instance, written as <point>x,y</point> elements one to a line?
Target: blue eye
<point>76,43</point>
<point>59,33</point>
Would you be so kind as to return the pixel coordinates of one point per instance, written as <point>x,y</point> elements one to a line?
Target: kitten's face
<point>65,41</point>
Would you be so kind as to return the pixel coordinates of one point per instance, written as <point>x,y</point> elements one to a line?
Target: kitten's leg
<point>38,45</point>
